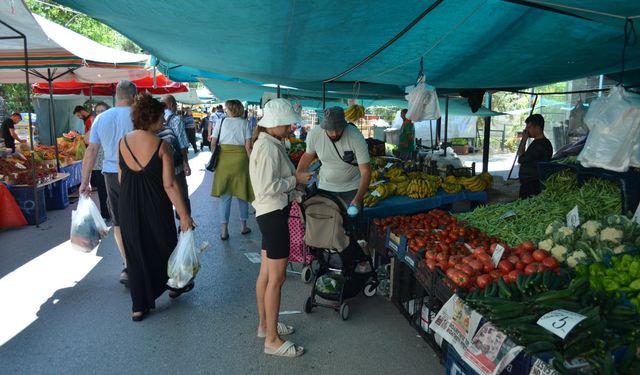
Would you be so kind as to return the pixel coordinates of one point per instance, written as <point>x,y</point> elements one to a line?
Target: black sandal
<point>246,231</point>
<point>138,318</point>
<point>124,280</point>
<point>175,293</point>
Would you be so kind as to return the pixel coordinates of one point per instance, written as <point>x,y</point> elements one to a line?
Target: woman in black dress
<point>148,191</point>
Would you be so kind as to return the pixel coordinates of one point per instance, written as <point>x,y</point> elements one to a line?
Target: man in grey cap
<point>344,154</point>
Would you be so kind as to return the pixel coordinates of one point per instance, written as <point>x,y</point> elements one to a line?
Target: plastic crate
<point>444,288</point>
<point>377,239</point>
<point>26,201</point>
<point>546,169</point>
<point>425,277</point>
<point>456,365</point>
<point>56,195</point>
<point>412,259</point>
<point>397,244</point>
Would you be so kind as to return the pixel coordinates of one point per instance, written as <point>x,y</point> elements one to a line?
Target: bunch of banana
<point>370,200</point>
<point>354,113</point>
<point>488,178</point>
<point>402,187</point>
<point>421,188</point>
<point>393,172</point>
<point>451,185</point>
<point>416,175</point>
<point>434,181</point>
<point>375,175</point>
<point>475,183</point>
<point>399,179</point>
<point>380,193</point>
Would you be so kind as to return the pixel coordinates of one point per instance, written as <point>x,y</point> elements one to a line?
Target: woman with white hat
<point>274,180</point>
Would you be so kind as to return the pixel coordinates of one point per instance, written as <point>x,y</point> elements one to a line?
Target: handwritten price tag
<point>507,215</point>
<point>497,255</point>
<point>389,165</point>
<point>573,218</point>
<point>560,322</point>
<point>375,193</point>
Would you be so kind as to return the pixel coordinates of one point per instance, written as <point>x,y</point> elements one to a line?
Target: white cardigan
<point>272,174</point>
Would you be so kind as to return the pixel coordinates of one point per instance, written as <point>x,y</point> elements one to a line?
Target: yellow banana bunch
<point>399,179</point>
<point>488,178</point>
<point>401,189</point>
<point>451,185</point>
<point>380,193</point>
<point>354,113</point>
<point>475,183</point>
<point>375,175</point>
<point>393,172</point>
<point>421,188</point>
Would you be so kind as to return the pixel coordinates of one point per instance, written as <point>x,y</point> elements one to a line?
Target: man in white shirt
<point>107,130</point>
<point>215,118</point>
<point>344,154</point>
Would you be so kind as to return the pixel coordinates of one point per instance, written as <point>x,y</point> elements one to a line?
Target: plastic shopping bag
<point>423,104</point>
<point>183,263</point>
<point>87,226</point>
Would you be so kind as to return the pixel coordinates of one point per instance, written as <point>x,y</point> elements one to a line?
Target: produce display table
<point>395,206</point>
<point>75,173</point>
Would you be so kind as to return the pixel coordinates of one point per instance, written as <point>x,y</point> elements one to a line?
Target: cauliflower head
<point>591,230</point>
<point>559,252</point>
<point>553,227</point>
<point>611,234</point>
<point>575,258</point>
<point>546,244</point>
<point>564,235</point>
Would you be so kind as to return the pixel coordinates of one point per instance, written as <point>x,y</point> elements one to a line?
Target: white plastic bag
<point>423,104</point>
<point>614,122</point>
<point>183,263</point>
<point>87,226</point>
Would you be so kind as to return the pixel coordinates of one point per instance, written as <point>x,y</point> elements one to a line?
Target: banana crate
<point>397,244</point>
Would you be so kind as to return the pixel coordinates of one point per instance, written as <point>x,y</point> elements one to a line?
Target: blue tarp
<point>465,43</point>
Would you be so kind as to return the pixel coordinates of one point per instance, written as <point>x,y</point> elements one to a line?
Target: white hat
<point>278,112</point>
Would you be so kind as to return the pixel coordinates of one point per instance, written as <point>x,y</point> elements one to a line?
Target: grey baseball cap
<point>333,119</point>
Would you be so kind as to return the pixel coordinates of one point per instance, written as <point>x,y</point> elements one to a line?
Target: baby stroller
<point>298,250</point>
<point>343,267</point>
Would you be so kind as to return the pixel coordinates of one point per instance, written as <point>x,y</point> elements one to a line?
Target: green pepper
<point>596,269</point>
<point>610,285</point>
<point>635,285</point>
<point>623,278</point>
<point>634,269</point>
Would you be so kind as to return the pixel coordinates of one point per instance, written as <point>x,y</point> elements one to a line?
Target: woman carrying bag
<point>233,136</point>
<point>274,180</point>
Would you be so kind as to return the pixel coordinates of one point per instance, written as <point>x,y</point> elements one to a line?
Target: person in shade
<point>9,131</point>
<point>148,192</point>
<point>274,180</point>
<point>538,151</point>
<point>97,180</point>
<point>87,118</point>
<point>190,128</point>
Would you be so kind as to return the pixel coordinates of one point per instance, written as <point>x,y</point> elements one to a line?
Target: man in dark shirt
<point>539,150</point>
<point>9,132</point>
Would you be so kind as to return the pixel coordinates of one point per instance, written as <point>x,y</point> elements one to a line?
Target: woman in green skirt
<point>231,179</point>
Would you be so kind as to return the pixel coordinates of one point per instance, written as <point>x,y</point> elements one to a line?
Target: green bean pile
<point>596,199</point>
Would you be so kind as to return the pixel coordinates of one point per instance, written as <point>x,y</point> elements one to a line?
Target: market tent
<point>464,43</point>
<point>159,85</point>
<point>189,97</point>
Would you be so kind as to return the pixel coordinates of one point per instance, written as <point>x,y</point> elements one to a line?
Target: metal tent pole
<point>487,135</point>
<point>446,122</point>
<point>53,118</point>
<point>533,107</point>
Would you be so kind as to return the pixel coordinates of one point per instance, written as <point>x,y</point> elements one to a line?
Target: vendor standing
<point>540,150</point>
<point>87,118</point>
<point>407,143</point>
<point>9,131</point>
<point>344,154</point>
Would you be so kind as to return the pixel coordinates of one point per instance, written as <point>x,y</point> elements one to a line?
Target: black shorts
<point>274,227</point>
<point>113,196</point>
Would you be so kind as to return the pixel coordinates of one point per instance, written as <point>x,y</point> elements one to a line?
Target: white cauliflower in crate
<point>591,230</point>
<point>611,235</point>
<point>575,258</point>
<point>553,227</point>
<point>564,236</point>
<point>559,252</point>
<point>546,244</point>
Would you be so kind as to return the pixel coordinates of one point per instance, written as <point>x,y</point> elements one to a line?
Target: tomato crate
<point>425,277</point>
<point>397,244</point>
<point>377,239</point>
<point>444,288</point>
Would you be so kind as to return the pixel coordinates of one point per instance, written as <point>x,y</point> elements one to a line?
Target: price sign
<point>636,216</point>
<point>541,368</point>
<point>507,215</point>
<point>573,218</point>
<point>375,193</point>
<point>378,183</point>
<point>468,247</point>
<point>497,255</point>
<point>389,165</point>
<point>560,322</point>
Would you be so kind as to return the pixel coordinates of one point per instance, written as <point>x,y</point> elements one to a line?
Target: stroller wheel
<point>308,305</point>
<point>370,289</point>
<point>306,274</point>
<point>344,311</point>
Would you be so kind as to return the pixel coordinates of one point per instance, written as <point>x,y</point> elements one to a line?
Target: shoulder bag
<point>211,167</point>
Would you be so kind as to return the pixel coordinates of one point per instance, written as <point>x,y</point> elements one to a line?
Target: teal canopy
<point>464,43</point>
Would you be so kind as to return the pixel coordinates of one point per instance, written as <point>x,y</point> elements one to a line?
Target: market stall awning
<point>161,85</point>
<point>55,51</point>
<point>464,43</point>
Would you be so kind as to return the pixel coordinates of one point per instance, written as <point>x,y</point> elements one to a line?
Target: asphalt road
<point>64,312</point>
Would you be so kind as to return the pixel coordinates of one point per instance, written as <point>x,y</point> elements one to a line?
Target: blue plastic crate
<point>57,195</point>
<point>397,244</point>
<point>26,201</point>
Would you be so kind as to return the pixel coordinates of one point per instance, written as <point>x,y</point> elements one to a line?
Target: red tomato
<point>526,258</point>
<point>483,280</point>
<point>467,259</point>
<point>513,275</point>
<point>539,255</point>
<point>487,267</point>
<point>534,267</point>
<point>528,245</point>
<point>495,274</point>
<point>442,258</point>
<point>550,262</point>
<point>431,254</point>
<point>513,259</point>
<point>505,266</point>
<point>431,265</point>
<point>476,265</point>
<point>520,266</point>
<point>483,257</point>
<point>467,269</point>
<point>443,266</point>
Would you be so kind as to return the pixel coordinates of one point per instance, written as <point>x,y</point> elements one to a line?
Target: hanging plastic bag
<point>615,132</point>
<point>577,126</point>
<point>183,263</point>
<point>423,104</point>
<point>87,226</point>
